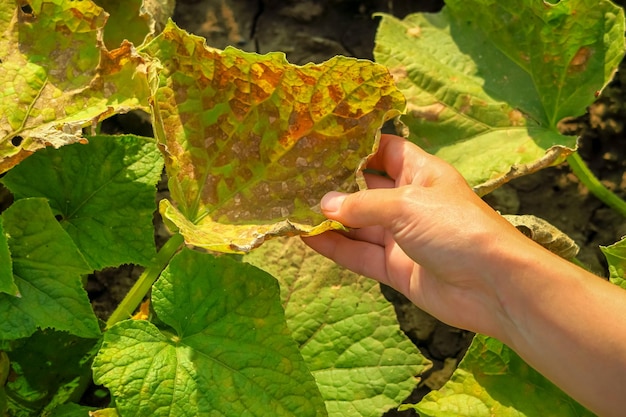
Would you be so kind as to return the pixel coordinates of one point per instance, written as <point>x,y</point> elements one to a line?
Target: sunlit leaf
<point>348,333</point>
<point>47,268</point>
<point>56,78</point>
<point>493,381</point>
<point>487,84</point>
<point>252,143</point>
<point>103,194</point>
<point>220,348</point>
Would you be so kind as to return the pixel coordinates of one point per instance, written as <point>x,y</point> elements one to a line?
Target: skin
<point>423,231</point>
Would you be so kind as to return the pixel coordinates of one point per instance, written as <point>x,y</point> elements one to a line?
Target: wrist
<point>527,279</point>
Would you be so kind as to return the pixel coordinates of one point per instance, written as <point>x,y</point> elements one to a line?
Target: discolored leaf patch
<point>56,77</point>
<point>252,142</point>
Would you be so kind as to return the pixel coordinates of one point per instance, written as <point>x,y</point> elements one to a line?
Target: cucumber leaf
<point>615,255</point>
<point>102,193</point>
<point>252,143</point>
<point>487,84</point>
<point>48,369</point>
<point>56,77</point>
<point>347,332</point>
<point>221,347</point>
<point>492,380</point>
<point>7,284</point>
<point>47,269</point>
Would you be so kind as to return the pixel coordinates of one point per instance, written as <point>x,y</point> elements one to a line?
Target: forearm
<point>569,325</point>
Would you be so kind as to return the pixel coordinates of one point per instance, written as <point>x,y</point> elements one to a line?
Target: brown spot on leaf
<point>430,112</point>
<point>580,59</point>
<point>516,118</point>
<point>398,73</point>
<point>335,92</point>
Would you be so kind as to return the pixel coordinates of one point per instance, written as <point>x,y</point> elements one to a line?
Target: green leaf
<point>487,84</point>
<point>47,268</point>
<point>615,255</point>
<point>492,380</point>
<point>102,192</point>
<point>56,77</point>
<point>7,284</point>
<point>48,369</point>
<point>223,347</point>
<point>252,143</point>
<point>134,20</point>
<point>126,21</point>
<point>348,333</point>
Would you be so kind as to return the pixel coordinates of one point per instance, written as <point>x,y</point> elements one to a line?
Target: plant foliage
<point>250,143</point>
<point>494,80</point>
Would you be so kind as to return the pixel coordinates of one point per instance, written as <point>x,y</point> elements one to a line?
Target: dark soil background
<point>313,31</point>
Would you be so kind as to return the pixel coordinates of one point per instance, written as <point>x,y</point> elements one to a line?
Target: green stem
<point>132,300</point>
<point>582,171</point>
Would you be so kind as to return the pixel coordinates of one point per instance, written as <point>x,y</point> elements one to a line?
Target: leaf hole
<point>59,217</point>
<point>16,140</point>
<point>27,9</point>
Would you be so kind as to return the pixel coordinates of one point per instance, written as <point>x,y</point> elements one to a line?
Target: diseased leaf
<point>222,348</point>
<point>615,255</point>
<point>252,143</point>
<point>48,369</point>
<point>492,380</point>
<point>544,233</point>
<point>103,193</point>
<point>348,333</point>
<point>493,80</point>
<point>7,284</point>
<point>47,268</point>
<point>56,78</point>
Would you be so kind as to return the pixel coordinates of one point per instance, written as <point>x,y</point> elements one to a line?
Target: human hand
<point>424,232</point>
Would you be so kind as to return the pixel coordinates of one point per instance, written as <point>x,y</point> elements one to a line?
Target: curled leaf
<point>544,233</point>
<point>252,142</point>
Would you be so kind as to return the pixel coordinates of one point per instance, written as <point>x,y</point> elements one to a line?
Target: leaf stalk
<point>139,290</point>
<point>584,174</point>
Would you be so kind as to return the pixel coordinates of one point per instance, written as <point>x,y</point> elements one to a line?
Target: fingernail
<point>332,201</point>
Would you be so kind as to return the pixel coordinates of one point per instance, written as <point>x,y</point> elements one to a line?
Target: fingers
<point>361,257</point>
<point>376,207</point>
<point>378,181</point>
<point>407,163</point>
<point>394,154</point>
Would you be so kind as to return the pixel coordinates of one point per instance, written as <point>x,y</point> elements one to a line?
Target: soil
<point>313,31</point>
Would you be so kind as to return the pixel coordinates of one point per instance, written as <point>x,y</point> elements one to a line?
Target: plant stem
<point>132,300</point>
<point>584,174</point>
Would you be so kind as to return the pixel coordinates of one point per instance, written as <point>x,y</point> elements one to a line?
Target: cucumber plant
<point>250,143</point>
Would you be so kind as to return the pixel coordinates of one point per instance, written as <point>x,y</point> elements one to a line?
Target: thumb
<point>364,208</point>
